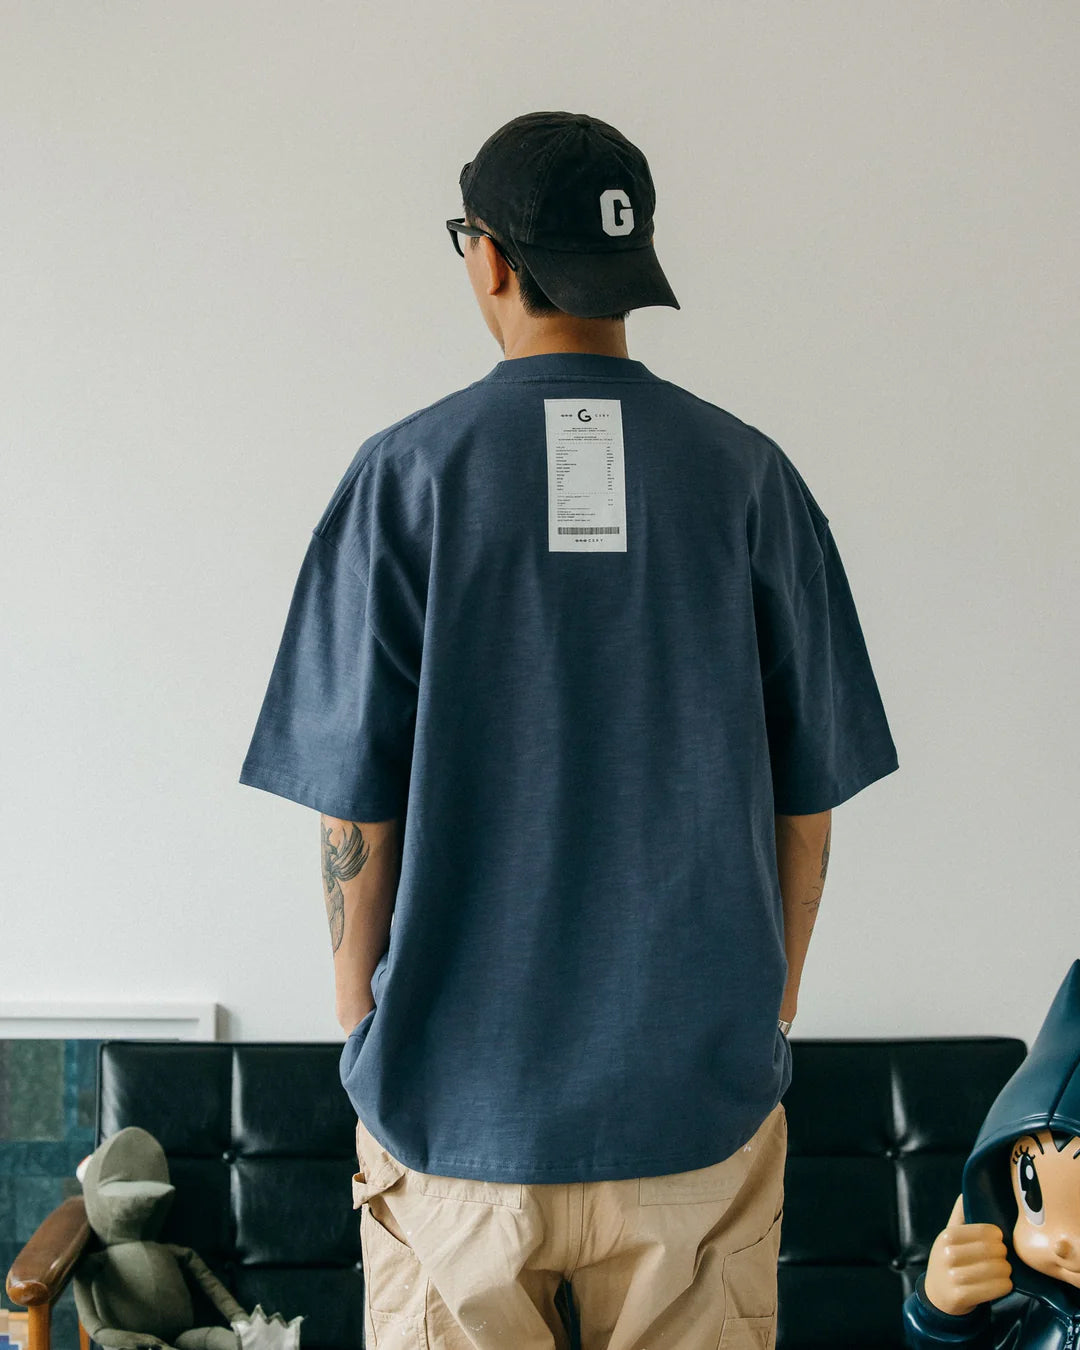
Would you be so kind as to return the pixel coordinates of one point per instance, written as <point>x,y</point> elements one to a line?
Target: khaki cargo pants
<point>685,1261</point>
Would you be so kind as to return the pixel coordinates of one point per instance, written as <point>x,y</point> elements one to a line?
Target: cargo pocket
<point>750,1294</point>
<point>749,1333</point>
<point>395,1287</point>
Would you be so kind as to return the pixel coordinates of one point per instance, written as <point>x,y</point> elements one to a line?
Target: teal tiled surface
<point>35,1105</point>
<point>47,1102</point>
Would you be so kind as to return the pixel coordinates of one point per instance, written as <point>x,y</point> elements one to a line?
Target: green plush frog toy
<point>135,1291</point>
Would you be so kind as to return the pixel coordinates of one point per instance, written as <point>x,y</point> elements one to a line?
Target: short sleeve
<point>827,731</point>
<point>336,726</point>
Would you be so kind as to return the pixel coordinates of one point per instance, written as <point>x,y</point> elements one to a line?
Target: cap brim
<point>590,285</point>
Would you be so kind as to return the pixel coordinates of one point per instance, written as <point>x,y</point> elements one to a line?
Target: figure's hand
<point>967,1265</point>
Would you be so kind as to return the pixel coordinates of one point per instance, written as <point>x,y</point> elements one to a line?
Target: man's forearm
<point>802,859</point>
<point>360,869</point>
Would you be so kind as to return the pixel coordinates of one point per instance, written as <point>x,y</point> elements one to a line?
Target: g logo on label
<point>611,201</point>
<point>583,416</point>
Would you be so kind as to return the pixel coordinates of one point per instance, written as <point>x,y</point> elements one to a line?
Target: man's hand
<point>967,1265</point>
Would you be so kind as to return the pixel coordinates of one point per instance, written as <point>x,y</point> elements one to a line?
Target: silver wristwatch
<point>785,1027</point>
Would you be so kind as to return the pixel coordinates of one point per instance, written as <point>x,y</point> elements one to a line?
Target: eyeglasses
<point>458,226</point>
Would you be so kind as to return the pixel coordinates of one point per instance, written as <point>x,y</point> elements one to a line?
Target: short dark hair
<point>534,300</point>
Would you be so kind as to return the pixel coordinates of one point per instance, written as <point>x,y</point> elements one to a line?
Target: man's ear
<point>497,270</point>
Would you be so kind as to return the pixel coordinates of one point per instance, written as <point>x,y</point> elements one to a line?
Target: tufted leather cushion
<point>260,1141</point>
<point>878,1131</point>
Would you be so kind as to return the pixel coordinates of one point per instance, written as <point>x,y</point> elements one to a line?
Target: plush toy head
<point>134,1290</point>
<point>126,1187</point>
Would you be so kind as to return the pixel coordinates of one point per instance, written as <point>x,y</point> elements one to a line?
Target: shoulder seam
<point>345,486</point>
<point>430,407</point>
<point>706,403</point>
<point>377,442</point>
<point>316,534</point>
<point>747,426</point>
<point>797,613</point>
<point>813,505</point>
<point>353,572</point>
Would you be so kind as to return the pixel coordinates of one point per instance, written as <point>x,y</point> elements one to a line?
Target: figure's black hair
<point>533,300</point>
<point>1062,1138</point>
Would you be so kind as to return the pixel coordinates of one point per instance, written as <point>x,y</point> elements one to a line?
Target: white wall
<point>224,265</point>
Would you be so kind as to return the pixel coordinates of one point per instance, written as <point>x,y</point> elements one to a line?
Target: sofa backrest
<point>878,1132</point>
<point>260,1143</point>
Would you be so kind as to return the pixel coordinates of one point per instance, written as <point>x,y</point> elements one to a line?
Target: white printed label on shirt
<point>586,475</point>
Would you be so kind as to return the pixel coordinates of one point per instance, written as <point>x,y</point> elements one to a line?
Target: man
<point>573,674</point>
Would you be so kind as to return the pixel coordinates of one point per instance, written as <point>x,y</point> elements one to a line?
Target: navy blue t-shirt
<point>583,633</point>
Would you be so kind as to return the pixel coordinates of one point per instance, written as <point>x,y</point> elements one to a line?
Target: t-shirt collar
<point>569,365</point>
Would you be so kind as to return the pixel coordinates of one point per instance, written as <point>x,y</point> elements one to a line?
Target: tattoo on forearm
<point>814,902</point>
<point>340,863</point>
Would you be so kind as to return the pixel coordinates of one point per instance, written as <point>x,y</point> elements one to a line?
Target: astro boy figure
<point>1005,1273</point>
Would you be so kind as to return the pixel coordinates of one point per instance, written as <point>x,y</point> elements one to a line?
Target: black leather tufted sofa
<point>878,1131</point>
<point>260,1141</point>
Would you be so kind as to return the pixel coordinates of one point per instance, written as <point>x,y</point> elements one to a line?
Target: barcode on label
<point>589,529</point>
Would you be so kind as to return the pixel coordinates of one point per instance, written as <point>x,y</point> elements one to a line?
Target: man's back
<point>586,736</point>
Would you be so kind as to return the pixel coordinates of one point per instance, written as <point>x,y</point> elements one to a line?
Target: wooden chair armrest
<point>42,1269</point>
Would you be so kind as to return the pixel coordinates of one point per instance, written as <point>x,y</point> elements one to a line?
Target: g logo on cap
<point>610,200</point>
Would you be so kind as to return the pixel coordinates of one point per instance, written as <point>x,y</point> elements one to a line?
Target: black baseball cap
<point>576,199</point>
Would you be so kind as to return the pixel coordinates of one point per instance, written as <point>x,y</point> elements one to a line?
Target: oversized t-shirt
<point>582,633</point>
